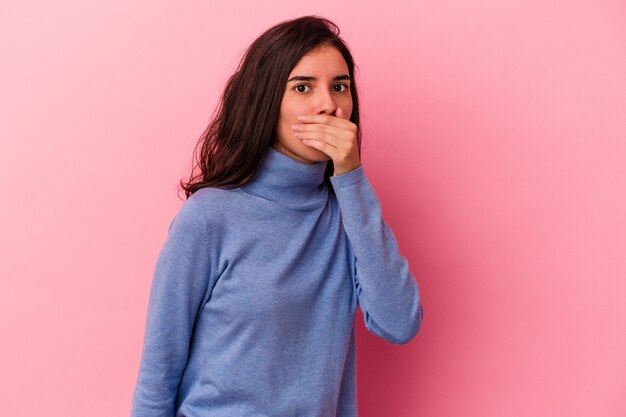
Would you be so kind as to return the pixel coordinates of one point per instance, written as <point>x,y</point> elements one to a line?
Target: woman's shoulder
<point>205,209</point>
<point>213,201</point>
<point>214,196</point>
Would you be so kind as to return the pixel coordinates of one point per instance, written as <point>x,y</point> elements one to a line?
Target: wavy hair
<point>229,151</point>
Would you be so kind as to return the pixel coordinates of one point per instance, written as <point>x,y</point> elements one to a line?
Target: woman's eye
<point>300,88</point>
<point>300,85</point>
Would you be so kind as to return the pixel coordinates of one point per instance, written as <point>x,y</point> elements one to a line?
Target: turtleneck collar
<point>282,179</point>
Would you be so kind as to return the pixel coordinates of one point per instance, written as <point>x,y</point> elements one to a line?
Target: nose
<point>326,103</point>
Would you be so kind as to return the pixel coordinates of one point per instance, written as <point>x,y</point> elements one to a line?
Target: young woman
<point>252,304</point>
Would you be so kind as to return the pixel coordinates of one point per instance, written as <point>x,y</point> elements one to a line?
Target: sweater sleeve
<point>387,293</point>
<point>178,291</point>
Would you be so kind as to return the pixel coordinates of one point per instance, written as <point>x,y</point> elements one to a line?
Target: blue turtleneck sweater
<point>252,304</point>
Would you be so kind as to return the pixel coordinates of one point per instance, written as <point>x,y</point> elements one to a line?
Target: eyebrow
<point>309,78</point>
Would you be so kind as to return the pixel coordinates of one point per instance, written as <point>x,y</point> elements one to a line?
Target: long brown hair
<point>243,127</point>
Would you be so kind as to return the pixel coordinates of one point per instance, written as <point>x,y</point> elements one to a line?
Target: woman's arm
<point>386,291</point>
<point>179,286</point>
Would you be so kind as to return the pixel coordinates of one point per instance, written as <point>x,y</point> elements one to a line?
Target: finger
<point>322,128</point>
<point>326,119</point>
<point>326,137</point>
<point>325,147</point>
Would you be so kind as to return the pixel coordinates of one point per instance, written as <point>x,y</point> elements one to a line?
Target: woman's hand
<point>333,135</point>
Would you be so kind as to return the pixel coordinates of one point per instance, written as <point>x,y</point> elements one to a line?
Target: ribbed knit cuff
<point>348,178</point>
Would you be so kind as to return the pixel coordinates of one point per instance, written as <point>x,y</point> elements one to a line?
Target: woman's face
<point>326,87</point>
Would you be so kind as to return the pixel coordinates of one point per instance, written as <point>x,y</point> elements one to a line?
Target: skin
<point>326,131</point>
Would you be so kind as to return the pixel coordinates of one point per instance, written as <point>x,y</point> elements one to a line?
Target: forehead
<point>320,60</point>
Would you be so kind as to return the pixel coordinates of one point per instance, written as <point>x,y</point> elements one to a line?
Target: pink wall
<point>494,134</point>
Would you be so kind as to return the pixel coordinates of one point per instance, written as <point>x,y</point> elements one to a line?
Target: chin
<point>299,150</point>
<point>314,155</point>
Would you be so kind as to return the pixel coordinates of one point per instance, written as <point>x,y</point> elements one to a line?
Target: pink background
<point>494,134</point>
